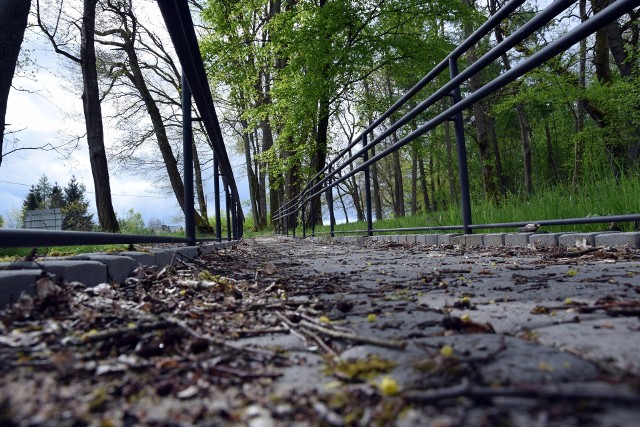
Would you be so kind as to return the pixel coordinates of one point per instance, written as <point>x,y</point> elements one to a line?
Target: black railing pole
<point>332,217</point>
<point>462,153</point>
<point>304,220</point>
<point>216,191</point>
<point>312,216</point>
<point>228,209</point>
<point>234,218</point>
<point>367,188</point>
<point>187,150</point>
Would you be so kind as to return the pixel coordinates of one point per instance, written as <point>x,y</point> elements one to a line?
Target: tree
<point>1,221</point>
<point>56,200</point>
<point>13,21</point>
<point>91,102</point>
<point>142,75</point>
<point>33,201</point>
<point>132,223</point>
<point>74,212</point>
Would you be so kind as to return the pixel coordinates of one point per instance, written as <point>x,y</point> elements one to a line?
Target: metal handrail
<point>326,179</point>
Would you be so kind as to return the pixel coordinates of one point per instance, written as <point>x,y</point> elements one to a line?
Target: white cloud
<point>45,111</point>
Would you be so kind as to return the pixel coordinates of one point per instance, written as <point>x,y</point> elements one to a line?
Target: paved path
<point>279,332</point>
<point>513,322</point>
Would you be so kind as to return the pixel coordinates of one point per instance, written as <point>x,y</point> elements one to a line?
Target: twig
<point>353,337</point>
<point>289,324</point>
<point>321,343</point>
<point>220,341</point>
<point>576,392</point>
<point>574,254</point>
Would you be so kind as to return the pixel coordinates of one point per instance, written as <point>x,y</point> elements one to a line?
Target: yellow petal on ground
<point>446,351</point>
<point>389,386</point>
<point>372,318</point>
<point>325,319</point>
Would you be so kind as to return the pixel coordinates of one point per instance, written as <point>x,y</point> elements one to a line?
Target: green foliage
<point>75,217</point>
<point>597,197</point>
<point>1,221</point>
<point>74,210</point>
<point>132,223</point>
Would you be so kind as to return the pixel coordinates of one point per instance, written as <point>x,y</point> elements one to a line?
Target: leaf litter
<point>201,343</point>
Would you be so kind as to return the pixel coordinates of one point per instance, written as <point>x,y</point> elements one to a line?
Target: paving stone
<point>411,238</point>
<point>631,240</point>
<point>467,240</point>
<point>445,239</point>
<point>493,239</point>
<point>163,257</point>
<point>188,252</point>
<point>427,239</point>
<point>119,267</point>
<point>517,239</point>
<point>544,239</point>
<point>144,258</point>
<point>578,239</point>
<point>13,283</point>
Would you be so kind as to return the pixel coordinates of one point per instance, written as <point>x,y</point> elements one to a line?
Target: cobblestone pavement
<point>504,335</point>
<point>278,331</point>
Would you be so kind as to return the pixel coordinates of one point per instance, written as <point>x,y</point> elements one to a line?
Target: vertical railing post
<point>462,153</point>
<point>187,150</point>
<point>234,217</point>
<point>332,217</point>
<point>312,216</point>
<point>304,220</point>
<point>227,207</point>
<point>367,188</point>
<point>216,190</point>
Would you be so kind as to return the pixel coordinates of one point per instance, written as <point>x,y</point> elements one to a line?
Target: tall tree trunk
<point>13,21</point>
<point>434,203</point>
<point>398,182</point>
<point>582,80</point>
<point>453,192</point>
<point>414,181</point>
<point>376,198</point>
<point>93,119</point>
<point>481,121</point>
<point>551,163</point>
<point>354,191</point>
<point>251,176</point>
<point>502,179</point>
<point>202,200</point>
<point>319,156</point>
<point>523,122</point>
<point>135,75</point>
<point>423,186</point>
<point>344,207</point>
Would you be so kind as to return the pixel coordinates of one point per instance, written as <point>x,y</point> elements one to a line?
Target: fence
<point>177,17</point>
<point>328,178</point>
<point>45,219</point>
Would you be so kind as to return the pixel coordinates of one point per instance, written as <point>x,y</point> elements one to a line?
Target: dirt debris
<point>270,332</point>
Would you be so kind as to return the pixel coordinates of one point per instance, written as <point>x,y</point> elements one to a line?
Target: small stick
<point>353,337</point>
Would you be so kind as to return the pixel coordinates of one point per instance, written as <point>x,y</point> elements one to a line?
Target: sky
<point>44,111</point>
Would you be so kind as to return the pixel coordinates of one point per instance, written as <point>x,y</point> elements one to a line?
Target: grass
<point>16,254</point>
<point>596,198</point>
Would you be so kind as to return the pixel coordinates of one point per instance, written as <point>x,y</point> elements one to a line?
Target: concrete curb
<point>92,268</point>
<point>614,239</point>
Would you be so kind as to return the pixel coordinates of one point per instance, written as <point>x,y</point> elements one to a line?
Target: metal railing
<point>195,86</point>
<point>330,176</point>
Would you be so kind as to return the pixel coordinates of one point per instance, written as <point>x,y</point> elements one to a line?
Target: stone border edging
<point>616,239</point>
<point>92,268</point>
